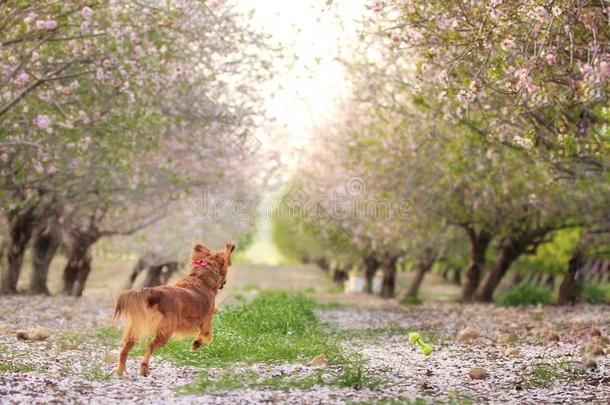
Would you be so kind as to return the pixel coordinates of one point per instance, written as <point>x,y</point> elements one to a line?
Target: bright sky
<point>314,32</point>
<point>309,90</point>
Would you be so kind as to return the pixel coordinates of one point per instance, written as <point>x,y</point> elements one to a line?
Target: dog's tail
<point>140,308</point>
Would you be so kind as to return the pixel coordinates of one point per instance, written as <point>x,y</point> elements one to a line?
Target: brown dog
<point>183,309</point>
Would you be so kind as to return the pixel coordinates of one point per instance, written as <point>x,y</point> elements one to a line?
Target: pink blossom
<point>525,80</point>
<point>586,68</point>
<point>100,75</point>
<point>22,79</point>
<point>507,44</point>
<point>540,13</point>
<point>86,12</point>
<point>604,69</point>
<point>30,17</point>
<point>536,28</point>
<point>35,56</point>
<point>378,6</point>
<point>43,122</point>
<point>396,39</point>
<point>46,25</point>
<point>45,95</point>
<point>588,20</point>
<point>551,58</point>
<point>495,14</point>
<point>82,116</point>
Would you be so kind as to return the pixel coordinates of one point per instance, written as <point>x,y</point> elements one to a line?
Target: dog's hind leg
<point>205,333</point>
<point>129,342</point>
<point>158,341</point>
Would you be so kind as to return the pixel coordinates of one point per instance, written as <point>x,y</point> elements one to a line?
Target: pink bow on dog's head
<point>200,263</point>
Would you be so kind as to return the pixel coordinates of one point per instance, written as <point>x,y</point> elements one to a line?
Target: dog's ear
<point>201,248</point>
<point>230,248</point>
<point>200,252</point>
<point>226,254</point>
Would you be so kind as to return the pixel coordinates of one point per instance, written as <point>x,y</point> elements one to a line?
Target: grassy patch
<point>526,295</point>
<point>459,400</point>
<point>376,333</point>
<point>276,327</point>
<point>411,301</point>
<point>594,293</point>
<point>70,341</point>
<point>348,375</point>
<point>94,371</point>
<point>108,336</point>
<point>9,362</point>
<point>15,368</point>
<point>543,375</point>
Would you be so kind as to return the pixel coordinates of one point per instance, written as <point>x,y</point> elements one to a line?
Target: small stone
<point>511,352</point>
<point>601,340</point>
<point>589,363</point>
<point>110,358</point>
<point>597,350</point>
<point>504,339</point>
<point>22,334</point>
<point>553,337</point>
<point>36,334</point>
<point>319,361</point>
<point>5,328</point>
<point>478,373</point>
<point>467,334</point>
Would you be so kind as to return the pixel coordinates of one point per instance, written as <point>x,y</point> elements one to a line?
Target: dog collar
<point>200,263</point>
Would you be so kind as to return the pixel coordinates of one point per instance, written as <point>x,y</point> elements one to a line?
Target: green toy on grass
<point>426,349</point>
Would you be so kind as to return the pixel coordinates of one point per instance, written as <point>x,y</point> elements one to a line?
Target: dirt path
<point>75,363</point>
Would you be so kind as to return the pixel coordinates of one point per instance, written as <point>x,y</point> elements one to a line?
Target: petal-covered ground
<point>532,355</point>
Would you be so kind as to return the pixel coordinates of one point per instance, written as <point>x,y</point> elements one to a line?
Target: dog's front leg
<point>205,332</point>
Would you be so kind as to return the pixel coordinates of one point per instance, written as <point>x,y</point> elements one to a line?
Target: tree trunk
<point>78,267</point>
<point>530,278</point>
<point>388,285</point>
<point>478,248</point>
<point>170,269</point>
<point>567,290</point>
<point>538,280</point>
<point>322,264</point>
<point>370,268</point>
<point>457,276</point>
<point>508,254</point>
<point>422,268</point>
<point>517,279</point>
<point>550,282</point>
<point>46,242</point>
<point>21,225</point>
<point>339,275</point>
<point>137,269</point>
<point>153,276</point>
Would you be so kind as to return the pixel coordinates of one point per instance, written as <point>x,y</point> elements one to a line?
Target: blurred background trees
<point>110,113</point>
<point>492,119</point>
<point>473,142</point>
